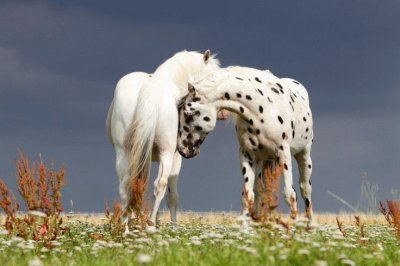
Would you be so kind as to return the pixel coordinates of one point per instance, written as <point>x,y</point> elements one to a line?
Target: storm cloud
<point>59,63</point>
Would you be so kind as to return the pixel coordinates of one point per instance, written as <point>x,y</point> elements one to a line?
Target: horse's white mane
<point>184,62</point>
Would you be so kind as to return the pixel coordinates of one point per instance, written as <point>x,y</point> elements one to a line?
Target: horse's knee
<point>248,198</point>
<point>289,194</point>
<point>160,185</point>
<point>305,189</point>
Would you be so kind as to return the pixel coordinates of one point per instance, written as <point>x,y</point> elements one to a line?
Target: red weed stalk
<point>340,227</point>
<point>115,225</point>
<point>140,206</point>
<point>268,190</point>
<point>34,184</point>
<point>391,214</point>
<point>360,225</point>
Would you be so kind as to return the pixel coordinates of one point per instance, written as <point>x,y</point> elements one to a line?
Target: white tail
<point>108,122</point>
<point>140,137</point>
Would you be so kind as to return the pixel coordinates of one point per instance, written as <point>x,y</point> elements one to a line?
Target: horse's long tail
<point>108,122</point>
<point>140,137</point>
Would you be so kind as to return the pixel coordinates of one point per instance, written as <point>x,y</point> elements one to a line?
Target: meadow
<point>44,235</point>
<point>213,239</point>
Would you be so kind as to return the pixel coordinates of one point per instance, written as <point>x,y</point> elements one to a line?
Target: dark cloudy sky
<point>60,61</point>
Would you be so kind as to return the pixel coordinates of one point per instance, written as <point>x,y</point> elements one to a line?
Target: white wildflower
<point>248,250</point>
<point>3,232</point>
<point>151,230</point>
<point>303,251</point>
<point>118,245</point>
<point>17,239</point>
<point>37,214</point>
<point>143,240</point>
<point>55,243</point>
<point>320,263</point>
<point>143,258</point>
<point>35,262</point>
<point>29,246</point>
<point>195,242</point>
<point>348,262</point>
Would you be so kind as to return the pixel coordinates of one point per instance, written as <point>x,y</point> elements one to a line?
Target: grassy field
<point>213,239</point>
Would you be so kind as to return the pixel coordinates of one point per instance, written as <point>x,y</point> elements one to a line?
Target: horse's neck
<point>225,97</point>
<point>178,73</point>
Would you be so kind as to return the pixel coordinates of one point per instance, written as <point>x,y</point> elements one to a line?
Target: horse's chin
<point>187,154</point>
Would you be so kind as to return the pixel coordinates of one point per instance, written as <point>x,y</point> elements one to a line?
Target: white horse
<point>142,125</point>
<point>273,122</point>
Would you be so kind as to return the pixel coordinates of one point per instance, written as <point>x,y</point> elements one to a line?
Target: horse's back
<point>123,105</point>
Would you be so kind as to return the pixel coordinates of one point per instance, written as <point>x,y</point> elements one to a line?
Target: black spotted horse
<point>273,122</point>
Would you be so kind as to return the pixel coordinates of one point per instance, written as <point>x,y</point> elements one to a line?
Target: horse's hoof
<point>151,229</point>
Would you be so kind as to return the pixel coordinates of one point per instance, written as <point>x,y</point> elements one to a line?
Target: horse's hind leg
<point>172,192</point>
<point>160,184</point>
<point>304,162</point>
<point>122,170</point>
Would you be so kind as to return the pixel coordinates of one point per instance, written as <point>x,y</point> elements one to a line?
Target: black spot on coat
<point>275,90</point>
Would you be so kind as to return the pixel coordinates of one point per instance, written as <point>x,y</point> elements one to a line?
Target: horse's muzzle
<point>188,152</point>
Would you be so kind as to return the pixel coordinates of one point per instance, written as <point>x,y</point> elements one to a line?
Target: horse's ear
<point>191,88</point>
<point>206,56</point>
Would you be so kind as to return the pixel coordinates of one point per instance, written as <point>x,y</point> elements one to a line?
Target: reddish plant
<point>360,225</point>
<point>115,225</point>
<point>268,190</point>
<point>391,214</point>
<point>268,195</point>
<point>9,205</point>
<point>138,204</point>
<point>340,227</point>
<point>42,222</point>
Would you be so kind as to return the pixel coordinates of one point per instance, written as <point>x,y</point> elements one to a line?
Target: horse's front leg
<point>304,162</point>
<point>172,191</point>
<point>248,172</point>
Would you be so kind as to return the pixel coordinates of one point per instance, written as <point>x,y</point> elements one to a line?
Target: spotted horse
<point>273,122</point>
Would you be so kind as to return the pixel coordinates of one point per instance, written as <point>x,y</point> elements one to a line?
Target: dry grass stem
<point>340,227</point>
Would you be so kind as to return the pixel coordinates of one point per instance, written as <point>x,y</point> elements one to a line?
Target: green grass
<point>199,243</point>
